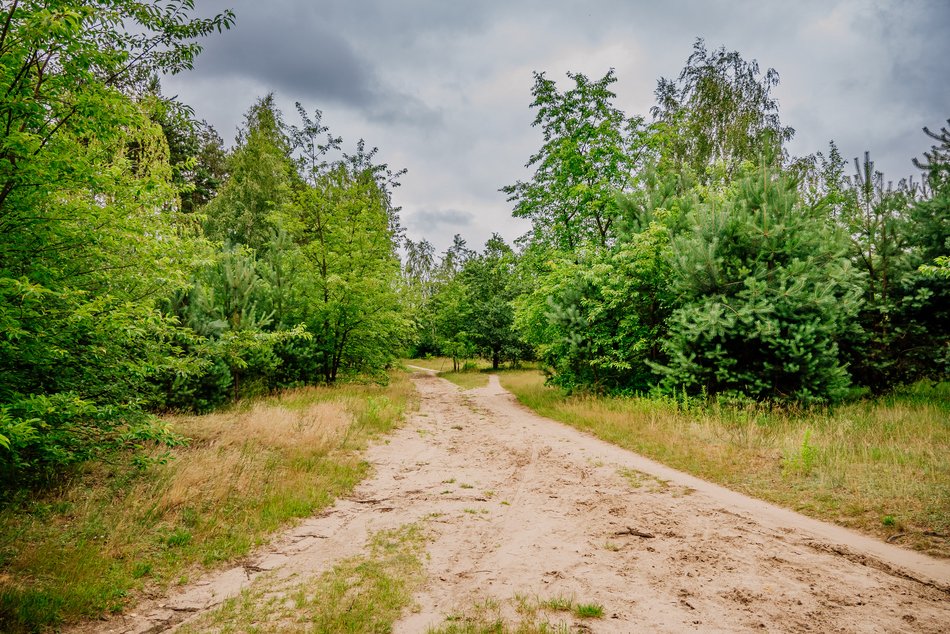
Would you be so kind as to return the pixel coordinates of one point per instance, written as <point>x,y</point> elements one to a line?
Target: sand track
<point>519,504</point>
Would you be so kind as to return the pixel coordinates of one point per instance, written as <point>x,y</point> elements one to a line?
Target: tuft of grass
<point>857,463</point>
<point>588,610</point>
<point>111,532</point>
<point>489,616</point>
<point>367,593</point>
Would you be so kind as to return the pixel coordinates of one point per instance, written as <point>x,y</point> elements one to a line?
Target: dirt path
<point>527,506</point>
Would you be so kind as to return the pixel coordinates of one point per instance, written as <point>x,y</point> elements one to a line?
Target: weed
<point>803,460</point>
<point>558,604</point>
<point>485,617</point>
<point>588,610</point>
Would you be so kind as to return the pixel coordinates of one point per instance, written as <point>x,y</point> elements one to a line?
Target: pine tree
<point>766,292</point>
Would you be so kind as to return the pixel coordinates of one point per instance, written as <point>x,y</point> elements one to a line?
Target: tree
<point>719,110</point>
<point>195,152</point>
<point>766,291</point>
<point>598,324</point>
<point>261,179</point>
<point>488,279</point>
<point>87,210</point>
<point>591,151</point>
<point>347,233</point>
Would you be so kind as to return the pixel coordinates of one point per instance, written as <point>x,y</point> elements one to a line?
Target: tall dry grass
<point>112,532</point>
<point>881,466</point>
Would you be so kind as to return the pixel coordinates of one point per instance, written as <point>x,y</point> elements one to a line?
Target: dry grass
<point>881,466</point>
<point>92,546</point>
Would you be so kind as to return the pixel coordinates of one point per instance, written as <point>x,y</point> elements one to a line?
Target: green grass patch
<point>588,610</point>
<point>109,533</point>
<point>367,593</point>
<point>854,464</point>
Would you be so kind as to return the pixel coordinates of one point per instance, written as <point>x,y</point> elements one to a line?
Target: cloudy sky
<point>443,87</point>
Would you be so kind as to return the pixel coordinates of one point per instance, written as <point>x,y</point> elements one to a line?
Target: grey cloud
<point>291,49</point>
<point>427,219</point>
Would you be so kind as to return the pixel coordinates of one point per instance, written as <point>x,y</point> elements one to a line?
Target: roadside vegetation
<point>109,534</point>
<point>366,593</point>
<point>877,465</point>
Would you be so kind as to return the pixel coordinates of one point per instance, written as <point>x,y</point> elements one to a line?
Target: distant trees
<point>467,306</point>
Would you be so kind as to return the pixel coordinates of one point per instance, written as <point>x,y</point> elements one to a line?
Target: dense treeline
<point>143,267</point>
<point>692,255</point>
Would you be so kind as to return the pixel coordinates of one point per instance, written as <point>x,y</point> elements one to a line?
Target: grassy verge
<point>361,594</point>
<point>108,534</point>
<point>879,466</point>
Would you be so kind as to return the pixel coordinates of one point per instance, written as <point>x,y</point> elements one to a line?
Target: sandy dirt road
<point>518,504</point>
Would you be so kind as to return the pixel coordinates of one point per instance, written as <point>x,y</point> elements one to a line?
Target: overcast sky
<point>443,87</point>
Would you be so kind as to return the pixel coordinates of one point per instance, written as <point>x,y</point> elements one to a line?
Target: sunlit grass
<point>89,547</point>
<point>880,466</point>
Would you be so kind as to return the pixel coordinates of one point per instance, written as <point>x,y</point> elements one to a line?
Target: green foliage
<point>92,235</point>
<point>348,236</point>
<point>261,177</point>
<point>718,111</point>
<point>591,150</point>
<point>490,286</point>
<point>900,335</point>
<point>598,324</point>
<point>766,293</point>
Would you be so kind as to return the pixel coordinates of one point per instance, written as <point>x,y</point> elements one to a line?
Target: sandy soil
<point>528,506</point>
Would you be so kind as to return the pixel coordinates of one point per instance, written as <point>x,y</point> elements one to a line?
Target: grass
<point>367,593</point>
<point>95,544</point>
<point>520,615</point>
<point>880,466</point>
<point>474,372</point>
